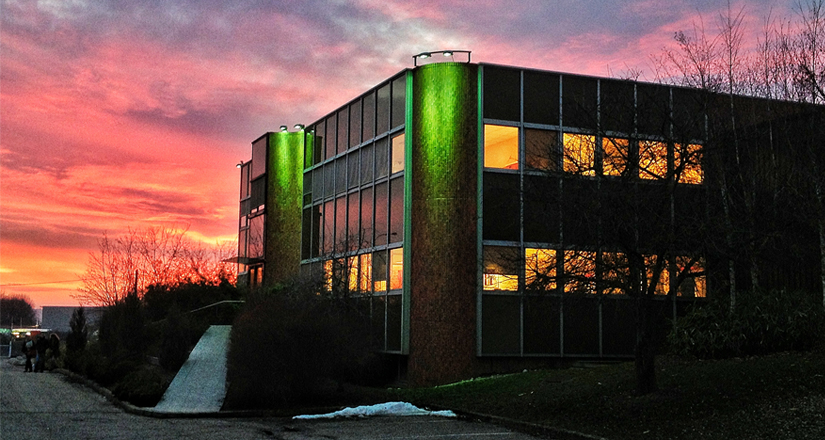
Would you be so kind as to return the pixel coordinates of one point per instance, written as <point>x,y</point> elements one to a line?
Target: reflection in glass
<point>379,271</point>
<point>396,268</point>
<point>652,160</point>
<point>616,153</point>
<point>688,162</point>
<point>501,147</point>
<point>541,149</point>
<point>540,269</point>
<point>579,154</point>
<point>397,153</point>
<point>580,271</point>
<point>500,268</point>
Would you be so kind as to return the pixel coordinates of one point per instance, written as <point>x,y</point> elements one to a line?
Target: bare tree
<point>152,256</point>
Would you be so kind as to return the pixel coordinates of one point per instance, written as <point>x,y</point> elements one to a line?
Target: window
<point>501,147</point>
<point>579,154</point>
<point>688,163</point>
<point>580,271</point>
<point>255,239</point>
<point>694,285</point>
<point>662,284</point>
<point>397,153</point>
<point>379,271</point>
<point>541,149</point>
<point>540,269</point>
<point>500,268</point>
<point>615,273</point>
<point>652,160</point>
<point>396,268</point>
<point>365,275</point>
<point>396,231</point>
<point>616,154</point>
<point>352,278</point>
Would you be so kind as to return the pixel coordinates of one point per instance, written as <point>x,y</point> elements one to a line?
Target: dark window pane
<point>500,324</point>
<point>306,236</point>
<point>318,183</point>
<point>320,136</point>
<point>382,116</point>
<point>502,91</point>
<point>618,321</point>
<point>541,149</point>
<point>255,239</point>
<point>397,210</point>
<point>341,237</point>
<point>581,324</point>
<point>541,98</point>
<point>653,109</point>
<point>617,106</point>
<point>258,197</point>
<point>379,271</point>
<point>367,162</point>
<point>316,230</point>
<point>399,93</point>
<point>393,322</point>
<point>352,169</point>
<point>366,217</point>
<point>379,313</point>
<point>368,120</point>
<point>355,123</point>
<point>381,214</point>
<point>354,215</point>
<point>343,130</point>
<point>688,117</point>
<point>541,325</point>
<point>382,158</point>
<point>541,209</point>
<point>329,226</point>
<point>245,180</point>
<point>329,179</point>
<point>579,99</point>
<point>332,135</point>
<point>341,175</point>
<point>307,188</point>
<point>501,207</point>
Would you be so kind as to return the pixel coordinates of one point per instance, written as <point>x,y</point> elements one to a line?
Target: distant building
<point>479,210</point>
<point>57,318</point>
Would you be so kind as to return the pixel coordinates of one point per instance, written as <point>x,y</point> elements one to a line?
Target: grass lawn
<point>779,396</point>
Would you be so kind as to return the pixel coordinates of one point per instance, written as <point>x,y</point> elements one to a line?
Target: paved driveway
<point>45,406</point>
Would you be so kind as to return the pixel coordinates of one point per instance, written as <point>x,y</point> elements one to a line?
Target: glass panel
<point>542,324</point>
<point>399,93</point>
<point>329,179</point>
<point>353,166</point>
<point>539,269</point>
<point>341,238</point>
<point>343,130</point>
<point>382,166</point>
<point>366,217</point>
<point>579,101</point>
<point>500,270</point>
<point>382,115</point>
<point>379,271</point>
<point>307,188</point>
<point>396,268</point>
<point>501,147</point>
<point>365,274</point>
<point>245,180</point>
<point>367,162</point>
<point>694,284</point>
<point>662,284</point>
<point>398,153</point>
<point>580,271</point>
<point>502,93</point>
<point>394,322</point>
<point>332,134</point>
<point>306,227</point>
<point>329,226</point>
<point>340,175</point>
<point>381,217</point>
<point>355,123</point>
<point>368,120</point>
<point>320,136</point>
<point>255,243</point>
<point>258,197</point>
<point>688,163</point>
<point>328,275</point>
<point>354,227</point>
<point>579,154</point>
<point>396,210</point>
<point>258,158</point>
<point>500,324</point>
<point>379,312</point>
<point>243,236</point>
<point>317,220</point>
<point>541,98</point>
<point>501,206</point>
<point>541,149</point>
<point>615,271</point>
<point>616,155</point>
<point>652,160</point>
<point>352,274</point>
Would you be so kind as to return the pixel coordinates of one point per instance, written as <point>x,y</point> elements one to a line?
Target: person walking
<point>29,350</point>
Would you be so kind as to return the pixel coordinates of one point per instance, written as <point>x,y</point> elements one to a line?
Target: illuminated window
<point>580,271</point>
<point>379,271</point>
<point>365,276</point>
<point>501,268</point>
<point>615,273</point>
<point>695,283</point>
<point>328,275</point>
<point>579,154</point>
<point>397,153</point>
<point>652,160</point>
<point>688,162</point>
<point>352,279</point>
<point>501,147</point>
<point>663,283</point>
<point>396,268</point>
<point>540,269</point>
<point>616,152</point>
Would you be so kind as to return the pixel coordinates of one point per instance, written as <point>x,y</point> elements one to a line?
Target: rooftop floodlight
<point>446,53</point>
<point>240,164</point>
<point>299,127</point>
<point>284,128</point>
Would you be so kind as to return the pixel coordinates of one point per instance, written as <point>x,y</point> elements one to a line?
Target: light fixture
<point>448,53</point>
<point>299,127</point>
<point>240,164</point>
<point>284,128</point>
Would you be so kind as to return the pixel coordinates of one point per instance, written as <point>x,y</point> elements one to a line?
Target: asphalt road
<point>46,406</point>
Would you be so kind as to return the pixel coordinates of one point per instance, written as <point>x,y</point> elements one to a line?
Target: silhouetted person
<point>29,350</point>
<point>41,346</point>
<point>54,345</point>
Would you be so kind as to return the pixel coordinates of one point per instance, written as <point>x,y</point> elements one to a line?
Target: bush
<point>763,322</point>
<point>79,333</point>
<point>143,386</point>
<point>288,344</point>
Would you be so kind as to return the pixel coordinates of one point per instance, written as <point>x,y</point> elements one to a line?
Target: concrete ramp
<point>200,385</point>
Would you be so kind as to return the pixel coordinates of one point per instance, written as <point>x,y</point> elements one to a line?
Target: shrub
<point>763,322</point>
<point>288,343</point>
<point>143,386</point>
<point>79,333</point>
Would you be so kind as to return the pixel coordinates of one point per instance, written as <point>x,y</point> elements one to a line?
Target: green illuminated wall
<point>443,222</point>
<point>285,164</point>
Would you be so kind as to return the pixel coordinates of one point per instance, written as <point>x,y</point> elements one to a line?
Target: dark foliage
<point>79,333</point>
<point>289,344</point>
<point>177,336</point>
<point>123,330</point>
<point>16,311</point>
<point>763,322</point>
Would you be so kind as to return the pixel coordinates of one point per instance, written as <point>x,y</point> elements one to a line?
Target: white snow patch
<point>382,409</point>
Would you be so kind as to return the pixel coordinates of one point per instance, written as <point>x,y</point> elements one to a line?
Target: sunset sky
<point>133,113</point>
